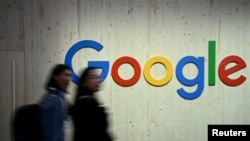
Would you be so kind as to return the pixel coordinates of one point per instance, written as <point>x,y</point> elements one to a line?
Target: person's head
<point>90,80</point>
<point>60,77</point>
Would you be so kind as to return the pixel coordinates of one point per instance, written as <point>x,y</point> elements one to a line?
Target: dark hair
<point>83,78</point>
<point>59,68</point>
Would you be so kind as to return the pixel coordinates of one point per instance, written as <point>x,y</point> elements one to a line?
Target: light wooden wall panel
<point>46,29</point>
<point>12,92</point>
<point>12,26</point>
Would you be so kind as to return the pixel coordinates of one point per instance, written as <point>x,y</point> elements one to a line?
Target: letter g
<point>104,65</point>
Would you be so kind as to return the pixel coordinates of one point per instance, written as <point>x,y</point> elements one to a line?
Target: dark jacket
<point>90,119</point>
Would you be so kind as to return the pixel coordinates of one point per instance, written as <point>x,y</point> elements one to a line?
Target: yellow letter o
<point>166,78</point>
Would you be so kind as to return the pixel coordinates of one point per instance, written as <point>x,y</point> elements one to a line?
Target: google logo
<point>224,69</point>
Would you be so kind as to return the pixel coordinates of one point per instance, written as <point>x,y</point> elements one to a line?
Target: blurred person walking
<point>54,107</point>
<point>89,117</point>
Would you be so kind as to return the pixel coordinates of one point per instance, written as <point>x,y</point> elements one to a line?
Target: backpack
<point>26,123</point>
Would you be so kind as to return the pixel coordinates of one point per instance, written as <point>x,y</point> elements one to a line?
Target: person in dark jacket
<point>54,105</point>
<point>89,117</point>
